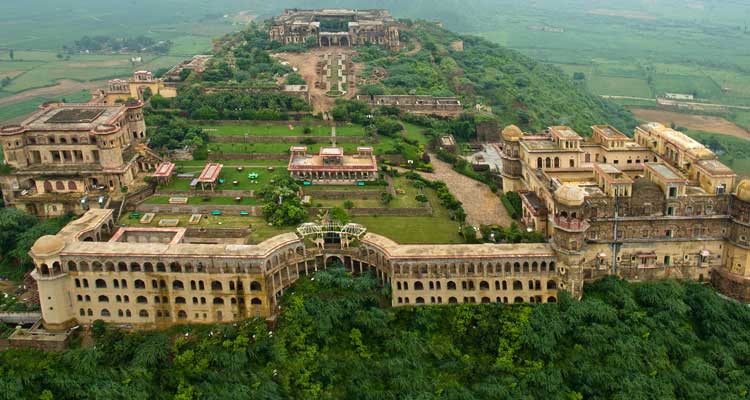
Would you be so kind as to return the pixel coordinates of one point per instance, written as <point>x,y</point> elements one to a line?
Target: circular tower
<point>512,169</point>
<point>569,235</point>
<point>733,277</point>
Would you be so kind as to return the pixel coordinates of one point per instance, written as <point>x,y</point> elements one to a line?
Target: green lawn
<point>233,163</point>
<point>281,130</point>
<point>230,174</point>
<point>414,132</point>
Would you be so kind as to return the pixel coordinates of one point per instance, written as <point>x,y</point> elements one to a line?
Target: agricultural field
<point>693,122</point>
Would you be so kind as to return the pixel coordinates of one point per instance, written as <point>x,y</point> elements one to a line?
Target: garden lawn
<point>198,200</point>
<point>229,174</point>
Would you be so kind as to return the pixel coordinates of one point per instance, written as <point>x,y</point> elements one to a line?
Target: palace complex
<point>66,157</point>
<point>336,27</point>
<point>332,166</point>
<point>659,205</point>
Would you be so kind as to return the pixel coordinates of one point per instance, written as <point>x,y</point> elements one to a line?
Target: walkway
<point>481,205</point>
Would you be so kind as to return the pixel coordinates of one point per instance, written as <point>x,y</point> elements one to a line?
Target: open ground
<point>703,123</point>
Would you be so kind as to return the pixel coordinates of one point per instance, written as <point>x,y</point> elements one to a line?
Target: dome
<point>48,244</point>
<point>743,190</point>
<point>570,195</point>
<point>512,132</point>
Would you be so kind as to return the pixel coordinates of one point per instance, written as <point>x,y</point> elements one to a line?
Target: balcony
<point>570,224</point>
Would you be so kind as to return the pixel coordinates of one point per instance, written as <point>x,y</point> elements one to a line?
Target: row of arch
<point>481,268</point>
<point>60,185</point>
<point>548,162</point>
<point>165,300</point>
<point>472,300</point>
<point>162,284</point>
<point>483,285</point>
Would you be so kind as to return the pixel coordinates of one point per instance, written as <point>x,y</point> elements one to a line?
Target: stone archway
<point>344,41</point>
<point>325,41</point>
<point>333,260</point>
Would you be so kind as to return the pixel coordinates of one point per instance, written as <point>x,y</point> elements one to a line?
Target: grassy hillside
<point>519,89</point>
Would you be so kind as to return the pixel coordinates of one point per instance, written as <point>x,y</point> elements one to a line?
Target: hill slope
<point>519,90</point>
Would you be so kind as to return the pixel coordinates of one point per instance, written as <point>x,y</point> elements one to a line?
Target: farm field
<point>692,122</point>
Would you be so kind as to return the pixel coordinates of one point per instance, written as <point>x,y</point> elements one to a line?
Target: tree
<point>339,215</point>
<point>348,204</point>
<point>13,222</point>
<point>386,198</point>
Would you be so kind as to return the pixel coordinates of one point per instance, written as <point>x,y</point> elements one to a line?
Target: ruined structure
<point>417,104</point>
<point>336,27</point>
<point>659,205</point>
<point>67,157</point>
<point>121,90</point>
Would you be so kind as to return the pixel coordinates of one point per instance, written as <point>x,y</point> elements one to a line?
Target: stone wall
<point>197,209</point>
<point>363,194</point>
<point>286,139</point>
<point>214,156</point>
<point>385,212</point>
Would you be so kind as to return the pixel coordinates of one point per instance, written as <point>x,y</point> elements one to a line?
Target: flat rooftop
<point>462,251</point>
<point>610,132</point>
<point>310,161</point>
<point>664,171</point>
<point>72,117</point>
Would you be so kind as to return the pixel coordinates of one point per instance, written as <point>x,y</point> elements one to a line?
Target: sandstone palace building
<point>336,27</point>
<point>67,156</point>
<point>659,205</point>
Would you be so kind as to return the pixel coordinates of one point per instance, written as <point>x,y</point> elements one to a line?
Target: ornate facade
<point>66,156</point>
<point>152,277</point>
<point>336,27</point>
<point>121,90</point>
<point>656,205</point>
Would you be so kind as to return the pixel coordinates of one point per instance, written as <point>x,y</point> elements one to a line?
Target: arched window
<point>101,284</point>
<point>175,267</point>
<point>104,312</point>
<point>231,285</point>
<point>518,299</point>
<point>119,313</point>
<point>557,162</point>
<point>118,299</point>
<point>90,312</point>
<point>548,162</point>
<point>552,266</point>
<point>59,185</point>
<point>486,300</point>
<point>517,285</point>
<point>551,299</point>
<point>72,186</point>
<point>418,285</point>
<point>216,285</point>
<point>451,285</point>
<point>143,314</point>
<point>255,301</point>
<point>141,300</point>
<point>452,300</point>
<point>483,285</point>
<point>181,314</point>
<point>539,163</point>
<point>128,314</point>
<point>505,285</point>
<point>551,285</point>
<point>103,299</point>
<point>82,312</point>
<point>160,267</point>
<point>72,266</point>
<point>179,300</point>
<point>218,300</point>
<point>78,282</point>
<point>135,267</point>
<point>139,284</point>
<point>44,269</point>
<point>419,300</point>
<point>193,285</point>
<point>88,298</point>
<point>148,267</point>
<point>177,285</point>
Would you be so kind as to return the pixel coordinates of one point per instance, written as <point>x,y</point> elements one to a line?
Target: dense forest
<point>337,339</point>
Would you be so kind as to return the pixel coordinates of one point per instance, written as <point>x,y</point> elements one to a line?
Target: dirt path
<point>481,205</point>
<point>63,87</point>
<point>306,64</point>
<point>416,49</point>
<point>693,122</point>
